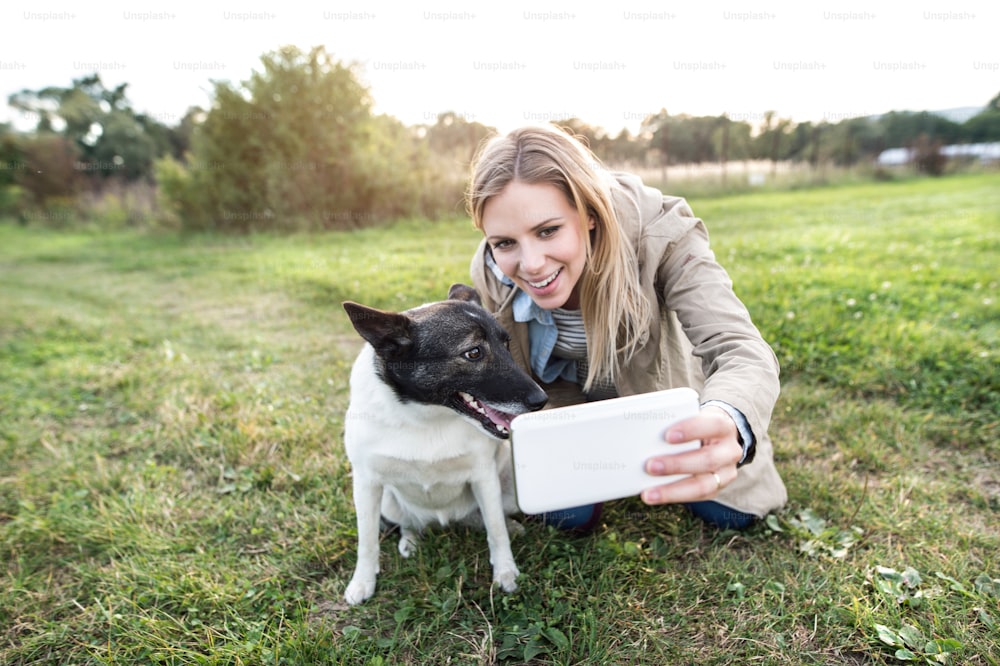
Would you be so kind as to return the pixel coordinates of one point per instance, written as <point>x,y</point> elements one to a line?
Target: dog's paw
<point>359,591</point>
<point>408,543</point>
<point>506,579</point>
<point>514,528</point>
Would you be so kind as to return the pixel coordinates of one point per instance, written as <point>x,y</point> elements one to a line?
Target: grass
<point>173,488</point>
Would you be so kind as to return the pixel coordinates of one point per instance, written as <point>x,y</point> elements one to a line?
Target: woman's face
<point>537,241</point>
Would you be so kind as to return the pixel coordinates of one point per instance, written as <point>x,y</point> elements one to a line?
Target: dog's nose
<point>537,399</point>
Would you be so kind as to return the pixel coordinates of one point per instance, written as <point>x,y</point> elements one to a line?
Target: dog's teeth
<point>472,402</point>
<point>480,408</point>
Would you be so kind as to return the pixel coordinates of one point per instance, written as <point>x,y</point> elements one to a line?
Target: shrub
<point>297,147</point>
<point>927,157</point>
<point>47,171</point>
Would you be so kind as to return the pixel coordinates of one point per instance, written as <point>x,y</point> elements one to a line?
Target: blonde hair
<point>616,315</point>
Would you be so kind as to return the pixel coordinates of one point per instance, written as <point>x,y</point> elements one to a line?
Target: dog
<point>432,395</point>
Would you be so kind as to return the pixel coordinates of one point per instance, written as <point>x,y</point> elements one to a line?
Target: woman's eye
<point>548,231</point>
<point>473,354</point>
<point>502,245</point>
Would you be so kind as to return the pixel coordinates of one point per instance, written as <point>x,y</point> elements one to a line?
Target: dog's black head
<point>451,353</point>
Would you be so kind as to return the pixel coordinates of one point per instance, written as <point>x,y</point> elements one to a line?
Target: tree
<point>799,140</point>
<point>733,139</point>
<point>275,147</point>
<point>46,171</point>
<point>11,156</point>
<point>656,128</point>
<point>624,150</point>
<point>984,126</point>
<point>701,130</point>
<point>769,144</point>
<point>901,128</point>
<point>295,146</point>
<point>111,139</point>
<point>11,162</point>
<point>594,137</point>
<point>993,105</point>
<point>815,141</point>
<point>453,136</point>
<point>853,140</point>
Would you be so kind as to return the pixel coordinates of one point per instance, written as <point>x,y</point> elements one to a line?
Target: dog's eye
<point>473,354</point>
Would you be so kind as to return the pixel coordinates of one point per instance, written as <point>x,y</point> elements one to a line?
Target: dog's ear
<point>463,292</point>
<point>388,332</point>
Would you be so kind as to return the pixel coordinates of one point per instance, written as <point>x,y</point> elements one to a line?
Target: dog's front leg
<point>367,503</point>
<point>489,496</point>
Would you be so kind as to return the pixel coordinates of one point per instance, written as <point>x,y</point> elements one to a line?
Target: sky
<point>511,63</point>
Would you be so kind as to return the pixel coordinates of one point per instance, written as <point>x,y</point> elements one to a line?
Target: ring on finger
<point>718,481</point>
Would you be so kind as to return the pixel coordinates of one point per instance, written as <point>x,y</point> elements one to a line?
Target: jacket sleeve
<point>740,368</point>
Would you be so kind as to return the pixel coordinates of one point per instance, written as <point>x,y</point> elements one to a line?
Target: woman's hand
<point>712,467</point>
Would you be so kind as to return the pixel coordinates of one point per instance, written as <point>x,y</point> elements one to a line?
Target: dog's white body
<point>421,465</point>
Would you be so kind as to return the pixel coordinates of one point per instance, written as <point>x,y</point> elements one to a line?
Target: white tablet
<point>596,451</point>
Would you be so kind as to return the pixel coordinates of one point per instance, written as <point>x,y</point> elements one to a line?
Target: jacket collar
<point>523,308</point>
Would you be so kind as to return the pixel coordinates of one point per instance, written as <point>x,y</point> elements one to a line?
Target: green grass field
<point>173,488</point>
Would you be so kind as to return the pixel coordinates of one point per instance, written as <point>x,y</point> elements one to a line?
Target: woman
<point>608,288</point>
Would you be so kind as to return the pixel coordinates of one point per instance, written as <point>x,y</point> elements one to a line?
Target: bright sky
<point>516,62</point>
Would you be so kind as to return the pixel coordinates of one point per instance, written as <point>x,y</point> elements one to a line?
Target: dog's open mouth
<point>495,422</point>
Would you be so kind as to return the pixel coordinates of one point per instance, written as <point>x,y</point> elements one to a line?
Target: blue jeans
<point>585,518</point>
<point>721,516</point>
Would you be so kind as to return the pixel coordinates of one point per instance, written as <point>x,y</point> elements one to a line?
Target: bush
<point>119,204</point>
<point>927,157</point>
<point>47,170</point>
<point>296,147</point>
<point>178,198</point>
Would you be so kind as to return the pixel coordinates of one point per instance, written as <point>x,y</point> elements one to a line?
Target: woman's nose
<point>532,258</point>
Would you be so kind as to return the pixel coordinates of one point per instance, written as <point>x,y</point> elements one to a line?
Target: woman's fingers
<point>712,423</point>
<point>710,468</point>
<point>707,459</point>
<point>695,488</point>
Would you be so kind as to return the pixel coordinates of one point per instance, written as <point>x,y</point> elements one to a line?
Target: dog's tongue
<point>498,417</point>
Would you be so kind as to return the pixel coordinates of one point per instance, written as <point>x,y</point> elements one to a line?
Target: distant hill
<point>960,114</point>
<point>957,115</point>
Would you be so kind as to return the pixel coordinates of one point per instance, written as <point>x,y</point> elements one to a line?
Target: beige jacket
<point>701,319</point>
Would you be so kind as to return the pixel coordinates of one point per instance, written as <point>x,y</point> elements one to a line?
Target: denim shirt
<point>542,334</point>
